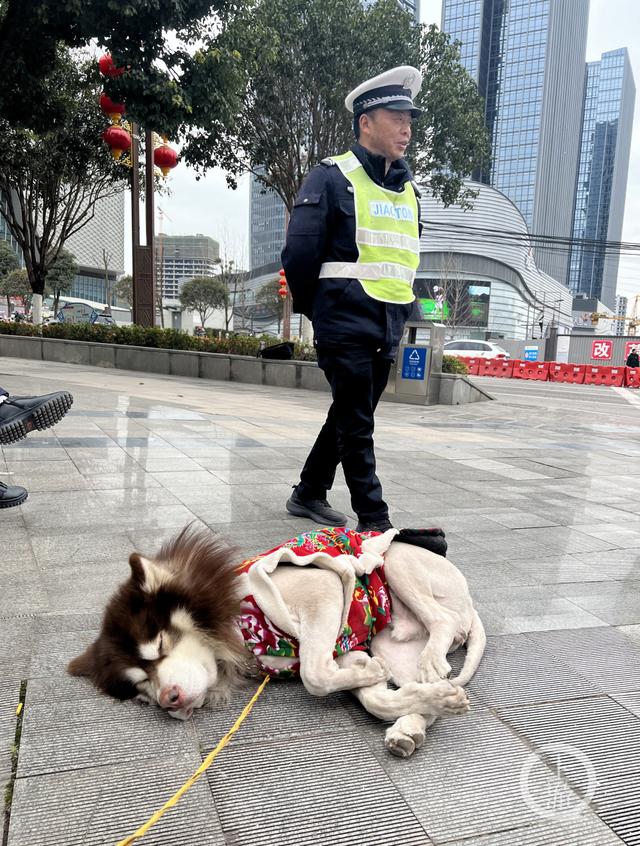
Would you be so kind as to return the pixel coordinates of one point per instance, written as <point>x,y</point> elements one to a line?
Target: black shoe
<point>21,415</point>
<point>317,509</point>
<point>431,539</point>
<point>374,526</point>
<point>11,495</point>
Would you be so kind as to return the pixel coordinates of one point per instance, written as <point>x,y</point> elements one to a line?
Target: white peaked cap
<point>394,89</point>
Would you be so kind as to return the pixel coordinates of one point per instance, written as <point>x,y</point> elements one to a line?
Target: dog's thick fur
<point>170,635</point>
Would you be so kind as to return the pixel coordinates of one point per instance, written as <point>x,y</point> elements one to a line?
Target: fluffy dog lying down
<point>176,633</point>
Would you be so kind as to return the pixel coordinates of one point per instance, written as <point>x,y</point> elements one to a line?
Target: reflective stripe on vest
<point>387,236</point>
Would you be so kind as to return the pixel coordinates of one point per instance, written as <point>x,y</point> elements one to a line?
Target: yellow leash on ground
<point>204,766</point>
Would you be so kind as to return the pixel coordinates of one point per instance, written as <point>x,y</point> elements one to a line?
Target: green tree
<point>233,280</point>
<point>168,84</point>
<point>269,298</point>
<point>52,179</point>
<point>14,284</point>
<point>124,289</point>
<point>301,57</point>
<point>204,294</point>
<point>60,276</point>
<point>8,263</point>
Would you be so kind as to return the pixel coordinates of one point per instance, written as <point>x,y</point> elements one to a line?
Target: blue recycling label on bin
<point>414,363</point>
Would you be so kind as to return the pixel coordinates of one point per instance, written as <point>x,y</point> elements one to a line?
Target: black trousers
<point>358,376</point>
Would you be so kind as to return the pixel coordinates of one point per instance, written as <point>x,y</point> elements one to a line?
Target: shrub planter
<point>454,389</point>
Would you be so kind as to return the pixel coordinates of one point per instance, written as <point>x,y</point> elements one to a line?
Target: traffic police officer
<point>350,258</point>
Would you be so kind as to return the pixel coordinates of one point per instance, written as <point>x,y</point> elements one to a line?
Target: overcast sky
<point>209,207</point>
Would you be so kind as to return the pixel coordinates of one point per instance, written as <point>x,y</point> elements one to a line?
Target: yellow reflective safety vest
<point>387,236</point>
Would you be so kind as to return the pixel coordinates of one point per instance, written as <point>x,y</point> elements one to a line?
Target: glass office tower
<point>607,122</point>
<point>527,57</point>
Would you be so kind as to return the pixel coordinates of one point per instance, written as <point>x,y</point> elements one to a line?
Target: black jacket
<point>633,360</point>
<point>322,228</point>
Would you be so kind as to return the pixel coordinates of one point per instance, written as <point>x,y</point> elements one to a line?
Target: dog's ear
<point>146,574</point>
<point>85,664</point>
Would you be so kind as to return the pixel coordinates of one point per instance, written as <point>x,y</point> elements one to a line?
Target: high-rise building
<point>101,237</point>
<point>412,6</point>
<point>620,326</point>
<point>266,225</point>
<point>183,257</point>
<point>5,233</point>
<point>601,185</point>
<point>527,57</point>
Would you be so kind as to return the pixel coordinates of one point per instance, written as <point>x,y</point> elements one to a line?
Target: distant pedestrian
<point>633,360</point>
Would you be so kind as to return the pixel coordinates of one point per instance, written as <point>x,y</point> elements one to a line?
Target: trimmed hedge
<point>451,364</point>
<point>141,336</point>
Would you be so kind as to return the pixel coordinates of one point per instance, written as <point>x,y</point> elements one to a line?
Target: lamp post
<point>120,140</point>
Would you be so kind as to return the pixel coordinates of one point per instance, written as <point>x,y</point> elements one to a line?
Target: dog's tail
<point>476,643</point>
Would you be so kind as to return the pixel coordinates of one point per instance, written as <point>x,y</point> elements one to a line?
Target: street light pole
<point>144,300</point>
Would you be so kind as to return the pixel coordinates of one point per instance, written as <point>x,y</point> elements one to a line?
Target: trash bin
<point>412,378</point>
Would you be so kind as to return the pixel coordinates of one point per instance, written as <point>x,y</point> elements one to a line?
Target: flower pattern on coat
<point>369,611</point>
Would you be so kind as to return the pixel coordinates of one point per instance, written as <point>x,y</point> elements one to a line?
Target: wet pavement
<point>538,493</point>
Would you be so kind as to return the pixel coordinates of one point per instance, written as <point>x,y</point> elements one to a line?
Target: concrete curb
<point>454,389</point>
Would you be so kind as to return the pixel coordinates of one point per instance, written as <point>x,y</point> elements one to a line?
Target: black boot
<point>11,495</point>
<point>381,525</point>
<point>318,510</point>
<point>21,415</point>
<point>431,539</point>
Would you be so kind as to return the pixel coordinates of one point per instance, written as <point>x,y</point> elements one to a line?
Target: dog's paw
<point>447,699</point>
<point>404,631</point>
<point>433,668</point>
<point>373,671</point>
<point>382,670</point>
<point>405,735</point>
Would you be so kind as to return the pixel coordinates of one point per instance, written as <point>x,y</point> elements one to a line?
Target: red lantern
<point>282,290</point>
<point>107,67</point>
<point>118,139</point>
<point>165,158</point>
<point>114,110</point>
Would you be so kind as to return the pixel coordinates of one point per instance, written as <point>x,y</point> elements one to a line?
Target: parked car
<point>474,349</point>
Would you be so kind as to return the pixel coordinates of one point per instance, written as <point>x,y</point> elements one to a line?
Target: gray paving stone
<point>285,709</point>
<point>23,593</point>
<point>335,791</point>
<point>604,656</point>
<point>630,701</point>
<point>100,805</point>
<point>632,632</point>
<point>515,671</point>
<point>528,609</point>
<point>607,737</point>
<point>536,518</point>
<point>615,602</point>
<point>465,780</point>
<point>72,548</point>
<point>585,830</point>
<point>80,588</point>
<point>74,735</point>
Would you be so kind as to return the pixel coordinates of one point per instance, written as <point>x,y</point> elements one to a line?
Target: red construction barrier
<point>559,372</point>
<point>632,377</point>
<point>602,374</point>
<point>531,370</point>
<point>473,364</point>
<point>496,367</point>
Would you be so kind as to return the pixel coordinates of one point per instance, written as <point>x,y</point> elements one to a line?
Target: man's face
<point>387,132</point>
